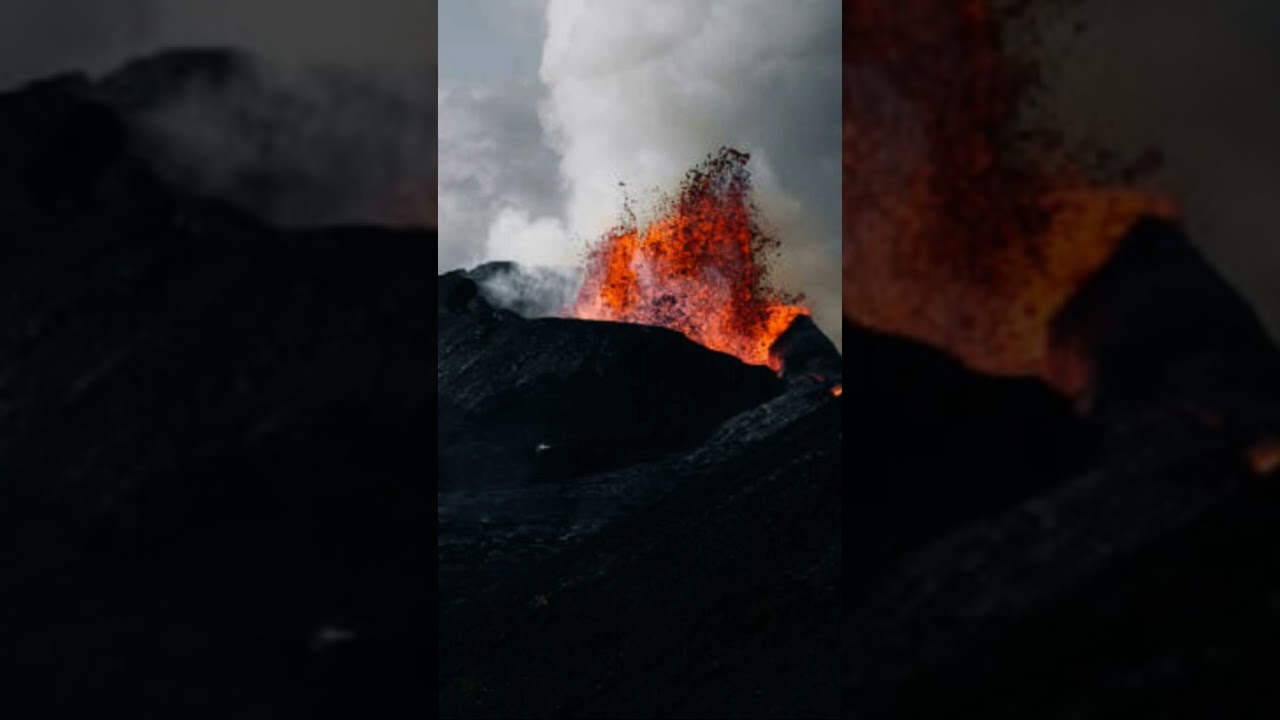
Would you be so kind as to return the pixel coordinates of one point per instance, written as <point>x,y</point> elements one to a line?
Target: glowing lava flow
<point>698,268</point>
<point>961,229</point>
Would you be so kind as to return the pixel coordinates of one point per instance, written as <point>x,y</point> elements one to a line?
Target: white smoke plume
<point>499,195</point>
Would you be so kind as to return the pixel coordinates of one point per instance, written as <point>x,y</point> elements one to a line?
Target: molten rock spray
<point>699,267</point>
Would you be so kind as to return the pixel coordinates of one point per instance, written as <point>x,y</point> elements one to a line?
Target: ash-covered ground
<point>631,524</point>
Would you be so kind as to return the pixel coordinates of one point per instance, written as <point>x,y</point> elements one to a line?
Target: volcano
<point>609,479</point>
<point>214,423</point>
<point>1065,418</point>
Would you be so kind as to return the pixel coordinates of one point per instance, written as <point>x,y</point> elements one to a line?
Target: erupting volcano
<point>1098,548</point>
<point>699,267</point>
<point>962,228</point>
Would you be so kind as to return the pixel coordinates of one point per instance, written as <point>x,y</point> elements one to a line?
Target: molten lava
<point>961,229</point>
<point>700,267</point>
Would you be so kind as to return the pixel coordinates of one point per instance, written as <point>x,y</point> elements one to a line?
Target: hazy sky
<point>387,37</point>
<point>545,107</point>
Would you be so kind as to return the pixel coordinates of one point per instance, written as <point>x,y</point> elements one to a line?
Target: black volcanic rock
<point>212,487</point>
<point>1157,332</point>
<point>556,382</point>
<point>550,428</point>
<point>939,446</point>
<point>802,351</point>
<point>57,148</point>
<point>630,524</point>
<point>718,601</point>
<point>1134,577</point>
<point>1143,588</point>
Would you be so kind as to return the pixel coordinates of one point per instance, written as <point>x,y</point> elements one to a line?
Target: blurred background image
<point>217,221</point>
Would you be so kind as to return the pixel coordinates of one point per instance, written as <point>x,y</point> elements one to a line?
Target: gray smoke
<point>296,146</point>
<point>528,291</point>
<point>335,122</point>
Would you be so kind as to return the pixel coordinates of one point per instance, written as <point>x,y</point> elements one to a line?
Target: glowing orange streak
<point>699,268</point>
<point>959,232</point>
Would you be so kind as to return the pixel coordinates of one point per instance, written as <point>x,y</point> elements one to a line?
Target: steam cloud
<point>528,291</point>
<point>297,146</point>
<point>499,191</point>
<point>638,93</point>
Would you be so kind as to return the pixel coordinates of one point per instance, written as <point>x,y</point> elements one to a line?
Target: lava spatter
<point>699,267</point>
<point>962,228</point>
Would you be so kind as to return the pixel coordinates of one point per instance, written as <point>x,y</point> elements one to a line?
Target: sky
<point>545,107</point>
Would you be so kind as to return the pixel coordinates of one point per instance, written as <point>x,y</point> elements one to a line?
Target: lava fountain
<point>700,266</point>
<point>962,228</point>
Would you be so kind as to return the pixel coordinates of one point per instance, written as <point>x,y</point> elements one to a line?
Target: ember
<point>700,267</point>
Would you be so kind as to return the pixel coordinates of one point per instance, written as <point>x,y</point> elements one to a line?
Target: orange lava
<point>961,229</point>
<point>699,268</point>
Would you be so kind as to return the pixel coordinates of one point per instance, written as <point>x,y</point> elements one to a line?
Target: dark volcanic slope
<point>937,446</point>
<point>565,590</point>
<point>531,412</point>
<point>720,601</point>
<point>589,385</point>
<point>576,387</point>
<point>212,484</point>
<point>1158,332</point>
<point>1143,584</point>
<point>1144,589</point>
